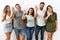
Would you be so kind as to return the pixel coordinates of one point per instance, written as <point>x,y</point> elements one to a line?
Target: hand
<point>36,8</point>
<point>13,10</point>
<point>24,12</point>
<point>48,13</point>
<point>12,14</point>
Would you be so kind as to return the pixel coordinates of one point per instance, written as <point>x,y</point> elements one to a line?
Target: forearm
<point>3,18</point>
<point>35,15</point>
<point>23,17</point>
<point>46,18</point>
<point>12,15</point>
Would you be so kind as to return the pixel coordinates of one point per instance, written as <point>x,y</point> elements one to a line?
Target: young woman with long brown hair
<point>51,24</point>
<point>7,21</point>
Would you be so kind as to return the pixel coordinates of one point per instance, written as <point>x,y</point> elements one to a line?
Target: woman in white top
<point>7,21</point>
<point>30,23</point>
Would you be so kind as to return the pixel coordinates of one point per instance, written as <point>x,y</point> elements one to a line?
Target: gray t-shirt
<point>18,22</point>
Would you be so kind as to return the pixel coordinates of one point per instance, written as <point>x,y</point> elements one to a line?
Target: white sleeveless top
<point>8,20</point>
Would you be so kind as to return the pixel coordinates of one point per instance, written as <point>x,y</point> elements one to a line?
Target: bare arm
<point>47,15</point>
<point>12,14</point>
<point>3,17</point>
<point>46,18</point>
<point>35,15</point>
<point>24,17</point>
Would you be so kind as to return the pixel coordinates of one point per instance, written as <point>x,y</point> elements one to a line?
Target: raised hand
<point>24,12</point>
<point>12,14</point>
<point>36,7</point>
<point>13,10</point>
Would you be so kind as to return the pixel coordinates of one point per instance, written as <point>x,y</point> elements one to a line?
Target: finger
<point>24,11</point>
<point>36,6</point>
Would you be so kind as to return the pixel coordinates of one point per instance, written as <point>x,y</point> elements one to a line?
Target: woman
<point>51,24</point>
<point>7,20</point>
<point>30,24</point>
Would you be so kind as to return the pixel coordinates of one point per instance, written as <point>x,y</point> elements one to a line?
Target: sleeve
<point>55,16</point>
<point>15,13</point>
<point>45,15</point>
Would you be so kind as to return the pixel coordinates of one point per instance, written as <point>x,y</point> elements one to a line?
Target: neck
<point>50,12</point>
<point>8,13</point>
<point>18,10</point>
<point>41,8</point>
<point>29,14</point>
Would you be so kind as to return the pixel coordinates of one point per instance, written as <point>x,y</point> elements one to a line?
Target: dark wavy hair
<point>42,3</point>
<point>32,12</point>
<point>5,9</point>
<point>16,5</point>
<point>47,8</point>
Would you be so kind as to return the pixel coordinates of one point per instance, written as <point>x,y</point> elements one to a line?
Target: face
<point>41,6</point>
<point>18,7</point>
<point>49,9</point>
<point>30,11</point>
<point>8,9</point>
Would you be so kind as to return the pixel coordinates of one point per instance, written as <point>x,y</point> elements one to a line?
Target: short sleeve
<point>45,15</point>
<point>55,16</point>
<point>15,13</point>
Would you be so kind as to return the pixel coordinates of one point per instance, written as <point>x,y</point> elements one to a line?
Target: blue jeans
<point>38,28</point>
<point>29,32</point>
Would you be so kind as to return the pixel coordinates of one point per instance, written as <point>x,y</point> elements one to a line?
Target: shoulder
<point>55,13</point>
<point>40,10</point>
<point>44,11</point>
<point>21,11</point>
<point>15,12</point>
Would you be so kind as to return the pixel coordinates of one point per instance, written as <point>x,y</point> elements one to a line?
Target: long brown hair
<point>47,8</point>
<point>5,10</point>
<point>32,12</point>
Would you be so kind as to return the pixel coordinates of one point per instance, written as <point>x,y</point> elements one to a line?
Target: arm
<point>47,15</point>
<point>12,14</point>
<point>3,17</point>
<point>24,17</point>
<point>46,18</point>
<point>35,15</point>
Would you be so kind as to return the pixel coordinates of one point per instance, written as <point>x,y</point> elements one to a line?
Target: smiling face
<point>30,11</point>
<point>18,7</point>
<point>41,6</point>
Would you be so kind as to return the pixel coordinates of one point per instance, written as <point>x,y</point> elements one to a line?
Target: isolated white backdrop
<point>25,4</point>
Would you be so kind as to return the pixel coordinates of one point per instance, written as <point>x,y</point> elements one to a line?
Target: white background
<point>25,4</point>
